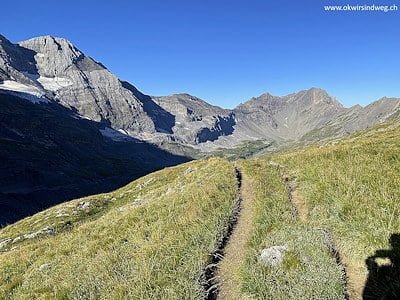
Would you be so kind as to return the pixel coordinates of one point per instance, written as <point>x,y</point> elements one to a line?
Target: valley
<point>112,133</point>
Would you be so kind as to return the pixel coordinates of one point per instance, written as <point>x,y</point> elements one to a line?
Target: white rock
<point>43,231</point>
<point>44,267</point>
<point>273,256</point>
<point>83,205</point>
<point>5,243</point>
<point>54,83</point>
<point>17,239</point>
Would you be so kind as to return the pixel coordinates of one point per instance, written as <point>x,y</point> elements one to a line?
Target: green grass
<point>242,151</point>
<point>308,271</point>
<point>148,240</point>
<point>352,188</point>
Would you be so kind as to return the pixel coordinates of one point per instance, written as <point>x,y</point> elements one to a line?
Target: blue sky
<point>226,51</point>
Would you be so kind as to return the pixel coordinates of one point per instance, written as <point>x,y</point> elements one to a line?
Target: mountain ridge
<point>63,73</point>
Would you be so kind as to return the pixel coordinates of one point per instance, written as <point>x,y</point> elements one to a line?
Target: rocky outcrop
<point>15,62</point>
<point>273,256</point>
<point>196,121</point>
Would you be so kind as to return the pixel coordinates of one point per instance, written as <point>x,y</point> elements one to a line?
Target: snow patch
<point>54,83</point>
<point>19,87</point>
<point>116,135</point>
<point>123,131</point>
<point>27,92</point>
<point>49,83</point>
<point>78,116</point>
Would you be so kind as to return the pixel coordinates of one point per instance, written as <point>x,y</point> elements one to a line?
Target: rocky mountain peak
<point>55,67</point>
<point>49,42</point>
<point>321,94</point>
<point>57,55</point>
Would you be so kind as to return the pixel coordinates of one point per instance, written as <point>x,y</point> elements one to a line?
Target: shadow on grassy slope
<point>384,272</point>
<point>48,155</point>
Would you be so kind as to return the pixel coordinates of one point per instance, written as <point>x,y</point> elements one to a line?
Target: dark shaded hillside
<point>49,155</point>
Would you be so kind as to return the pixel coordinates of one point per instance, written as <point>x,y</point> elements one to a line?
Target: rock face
<point>196,121</point>
<point>14,60</point>
<point>81,83</point>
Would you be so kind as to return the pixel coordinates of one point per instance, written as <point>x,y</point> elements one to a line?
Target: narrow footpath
<point>219,274</point>
<point>234,253</point>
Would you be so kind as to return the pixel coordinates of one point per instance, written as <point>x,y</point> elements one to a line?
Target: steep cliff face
<point>15,62</point>
<point>79,82</point>
<point>196,121</point>
<point>55,68</point>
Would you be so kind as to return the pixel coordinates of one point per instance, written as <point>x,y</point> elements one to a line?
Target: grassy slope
<point>352,188</point>
<point>308,271</point>
<point>147,240</point>
<point>151,239</point>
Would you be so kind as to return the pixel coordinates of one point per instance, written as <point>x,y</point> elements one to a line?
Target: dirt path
<point>299,205</point>
<point>234,251</point>
<point>215,273</point>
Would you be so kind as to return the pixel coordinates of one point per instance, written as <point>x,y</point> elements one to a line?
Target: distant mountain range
<point>54,68</point>
<point>69,127</point>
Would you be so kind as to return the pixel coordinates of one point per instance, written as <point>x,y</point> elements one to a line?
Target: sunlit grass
<point>148,240</point>
<point>308,271</point>
<point>352,187</point>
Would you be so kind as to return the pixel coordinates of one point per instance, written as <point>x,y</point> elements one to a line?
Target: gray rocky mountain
<point>57,110</point>
<point>287,117</point>
<point>57,67</point>
<point>355,118</point>
<point>196,121</point>
<point>307,114</point>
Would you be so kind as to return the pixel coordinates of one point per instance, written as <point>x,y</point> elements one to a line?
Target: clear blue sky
<point>226,51</point>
